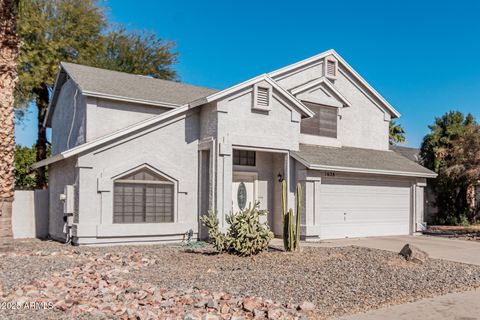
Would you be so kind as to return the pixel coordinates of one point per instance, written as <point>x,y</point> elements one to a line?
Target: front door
<point>243,191</point>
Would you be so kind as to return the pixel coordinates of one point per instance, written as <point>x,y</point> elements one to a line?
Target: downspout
<point>73,118</point>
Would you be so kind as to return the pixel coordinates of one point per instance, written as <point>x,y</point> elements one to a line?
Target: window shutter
<point>331,68</point>
<point>263,97</point>
<point>323,123</point>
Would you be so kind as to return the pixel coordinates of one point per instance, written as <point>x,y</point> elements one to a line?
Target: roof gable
<point>121,86</point>
<point>321,91</point>
<point>285,71</point>
<point>218,95</point>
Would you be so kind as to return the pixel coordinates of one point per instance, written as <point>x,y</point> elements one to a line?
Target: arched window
<point>143,197</point>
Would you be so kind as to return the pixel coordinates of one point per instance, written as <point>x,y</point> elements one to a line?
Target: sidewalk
<point>454,306</point>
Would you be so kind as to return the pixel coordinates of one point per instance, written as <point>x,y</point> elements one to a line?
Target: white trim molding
<point>315,59</point>
<point>318,82</point>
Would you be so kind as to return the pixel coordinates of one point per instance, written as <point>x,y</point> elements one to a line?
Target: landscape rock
<point>259,313</point>
<point>164,282</point>
<point>413,254</point>
<point>212,304</point>
<point>306,306</point>
<point>249,304</point>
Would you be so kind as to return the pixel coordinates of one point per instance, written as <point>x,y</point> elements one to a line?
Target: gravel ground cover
<point>456,232</point>
<point>165,282</point>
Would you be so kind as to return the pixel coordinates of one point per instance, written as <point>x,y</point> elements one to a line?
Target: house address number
<point>329,174</point>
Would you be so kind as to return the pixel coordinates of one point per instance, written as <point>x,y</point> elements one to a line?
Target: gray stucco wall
<point>238,124</point>
<point>298,77</point>
<point>363,125</point>
<point>170,148</point>
<point>30,214</point>
<point>107,116</point>
<point>208,121</point>
<point>60,174</point>
<point>68,119</point>
<point>83,119</point>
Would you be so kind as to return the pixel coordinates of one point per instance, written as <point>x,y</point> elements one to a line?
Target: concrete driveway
<point>439,248</point>
<point>454,306</point>
<point>459,306</point>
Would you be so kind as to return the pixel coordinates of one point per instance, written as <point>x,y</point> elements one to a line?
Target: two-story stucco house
<point>137,159</point>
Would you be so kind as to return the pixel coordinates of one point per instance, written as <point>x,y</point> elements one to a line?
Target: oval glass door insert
<point>242,196</point>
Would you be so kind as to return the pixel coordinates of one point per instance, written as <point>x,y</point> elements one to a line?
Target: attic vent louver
<point>331,68</point>
<point>263,97</point>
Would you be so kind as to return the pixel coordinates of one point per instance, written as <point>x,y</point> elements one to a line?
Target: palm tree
<point>9,45</point>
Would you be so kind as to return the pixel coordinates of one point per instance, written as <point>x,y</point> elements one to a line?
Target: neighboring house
<point>139,159</point>
<point>413,154</point>
<point>430,208</point>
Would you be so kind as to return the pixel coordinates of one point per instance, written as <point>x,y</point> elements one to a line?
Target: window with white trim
<point>143,197</point>
<point>244,158</point>
<point>323,123</point>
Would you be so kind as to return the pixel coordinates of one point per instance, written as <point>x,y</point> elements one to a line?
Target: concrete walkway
<point>439,248</point>
<point>455,306</point>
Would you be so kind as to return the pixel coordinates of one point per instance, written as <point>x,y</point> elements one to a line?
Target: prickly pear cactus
<point>246,235</point>
<point>216,236</point>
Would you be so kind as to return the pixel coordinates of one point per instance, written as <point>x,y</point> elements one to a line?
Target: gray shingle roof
<point>357,158</point>
<point>138,87</point>
<point>412,154</point>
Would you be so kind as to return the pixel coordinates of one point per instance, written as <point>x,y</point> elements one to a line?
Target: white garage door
<point>362,208</point>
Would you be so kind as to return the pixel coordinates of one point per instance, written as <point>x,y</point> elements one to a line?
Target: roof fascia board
<point>240,86</point>
<point>363,170</point>
<point>322,55</point>
<point>290,97</point>
<point>301,63</point>
<point>366,84</point>
<point>127,99</point>
<point>115,135</point>
<point>322,80</point>
<point>226,92</point>
<point>97,95</point>
<point>48,161</point>
<point>54,96</point>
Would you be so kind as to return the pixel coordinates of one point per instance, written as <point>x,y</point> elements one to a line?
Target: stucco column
<point>89,198</point>
<point>224,182</point>
<point>419,205</point>
<point>310,188</point>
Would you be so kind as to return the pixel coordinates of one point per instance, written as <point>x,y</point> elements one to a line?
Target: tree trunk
<point>8,78</point>
<point>42,105</point>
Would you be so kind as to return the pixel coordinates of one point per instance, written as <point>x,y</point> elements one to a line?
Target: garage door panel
<point>359,208</point>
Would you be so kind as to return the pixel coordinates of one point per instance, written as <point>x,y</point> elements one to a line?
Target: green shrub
<point>246,235</point>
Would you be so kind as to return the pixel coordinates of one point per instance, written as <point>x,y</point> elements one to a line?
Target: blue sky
<point>422,56</point>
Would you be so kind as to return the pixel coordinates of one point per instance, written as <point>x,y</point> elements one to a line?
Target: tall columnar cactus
<point>291,227</point>
<point>291,231</point>
<point>298,216</point>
